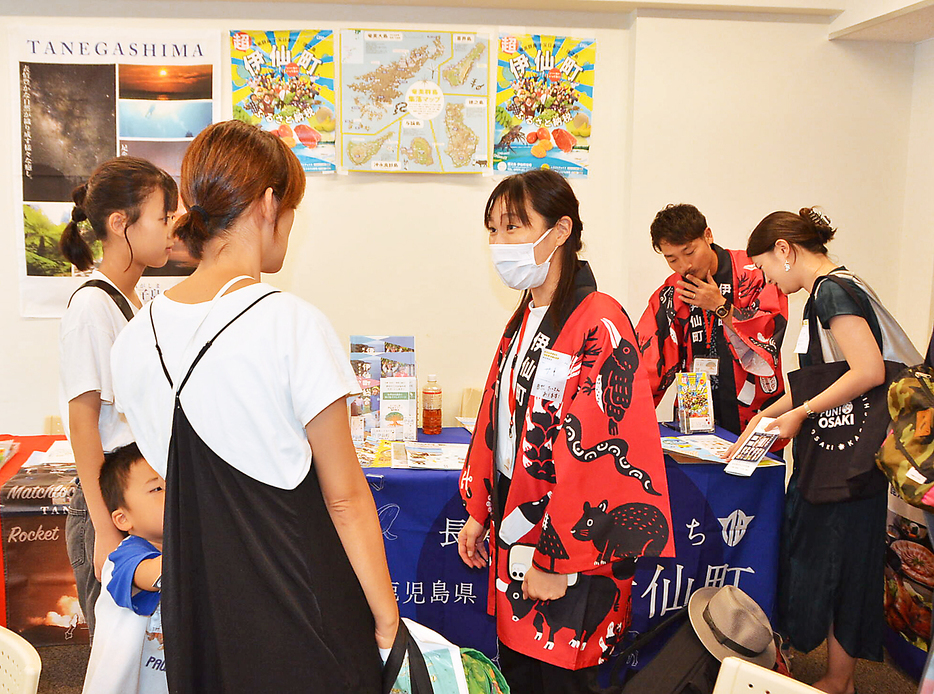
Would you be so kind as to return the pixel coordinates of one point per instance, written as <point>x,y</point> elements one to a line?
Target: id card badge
<point>552,375</point>
<point>804,338</point>
<point>706,365</point>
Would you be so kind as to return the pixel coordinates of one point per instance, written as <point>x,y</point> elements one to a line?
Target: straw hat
<point>730,623</point>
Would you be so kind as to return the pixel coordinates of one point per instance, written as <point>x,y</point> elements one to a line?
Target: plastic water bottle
<point>431,406</point>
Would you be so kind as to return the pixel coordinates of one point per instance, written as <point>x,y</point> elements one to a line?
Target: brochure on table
<point>695,402</point>
<point>375,452</point>
<point>710,448</point>
<point>385,369</point>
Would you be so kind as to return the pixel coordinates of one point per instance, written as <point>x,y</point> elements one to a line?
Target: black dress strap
<point>210,342</point>
<point>155,337</point>
<point>114,293</point>
<point>204,349</point>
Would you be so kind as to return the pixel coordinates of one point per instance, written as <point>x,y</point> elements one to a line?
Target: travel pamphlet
<point>753,450</point>
<point>435,456</point>
<point>710,448</point>
<point>385,369</point>
<point>695,402</point>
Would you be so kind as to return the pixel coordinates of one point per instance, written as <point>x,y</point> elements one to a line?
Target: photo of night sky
<point>71,123</point>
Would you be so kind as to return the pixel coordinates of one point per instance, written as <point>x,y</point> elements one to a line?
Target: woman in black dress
<point>275,573</point>
<point>831,564</point>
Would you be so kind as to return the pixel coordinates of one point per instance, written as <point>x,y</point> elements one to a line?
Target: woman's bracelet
<point>811,414</point>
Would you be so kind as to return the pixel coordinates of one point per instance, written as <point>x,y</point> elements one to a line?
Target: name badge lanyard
<point>512,377</point>
<point>708,326</point>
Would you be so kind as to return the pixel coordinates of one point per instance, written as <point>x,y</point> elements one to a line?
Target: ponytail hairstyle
<point>226,168</point>
<point>810,229</point>
<point>550,195</point>
<point>118,185</point>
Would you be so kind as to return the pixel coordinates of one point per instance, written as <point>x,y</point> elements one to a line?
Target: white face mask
<point>515,263</point>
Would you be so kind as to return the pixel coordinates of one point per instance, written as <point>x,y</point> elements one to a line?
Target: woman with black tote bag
<point>833,532</point>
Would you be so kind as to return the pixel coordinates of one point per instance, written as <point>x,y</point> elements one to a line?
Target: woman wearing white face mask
<point>565,469</point>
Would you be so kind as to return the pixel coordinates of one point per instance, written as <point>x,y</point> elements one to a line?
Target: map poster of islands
<point>283,81</point>
<point>544,104</point>
<point>86,95</point>
<point>415,101</point>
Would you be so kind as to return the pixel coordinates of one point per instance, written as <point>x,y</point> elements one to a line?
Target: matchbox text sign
<point>41,598</point>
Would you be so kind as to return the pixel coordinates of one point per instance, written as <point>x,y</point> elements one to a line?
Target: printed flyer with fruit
<point>283,81</point>
<point>544,104</point>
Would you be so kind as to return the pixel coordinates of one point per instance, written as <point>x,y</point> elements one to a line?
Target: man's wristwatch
<point>723,311</point>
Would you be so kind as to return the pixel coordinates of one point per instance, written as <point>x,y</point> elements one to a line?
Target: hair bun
<point>78,215</point>
<point>821,222</point>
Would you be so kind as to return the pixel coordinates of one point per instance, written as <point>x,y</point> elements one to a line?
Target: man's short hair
<point>115,475</point>
<point>677,225</point>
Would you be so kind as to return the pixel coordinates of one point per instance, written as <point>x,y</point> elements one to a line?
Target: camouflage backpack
<point>907,454</point>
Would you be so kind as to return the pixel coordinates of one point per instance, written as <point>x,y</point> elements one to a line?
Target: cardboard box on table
<point>41,597</point>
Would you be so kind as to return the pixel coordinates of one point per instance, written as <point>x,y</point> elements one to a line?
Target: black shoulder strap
<point>204,349</point>
<point>210,342</point>
<point>115,294</point>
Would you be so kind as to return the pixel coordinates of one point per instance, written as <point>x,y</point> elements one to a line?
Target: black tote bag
<point>835,451</point>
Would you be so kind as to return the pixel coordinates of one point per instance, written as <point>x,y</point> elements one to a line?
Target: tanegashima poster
<point>544,104</point>
<point>283,81</point>
<point>414,101</point>
<point>86,96</point>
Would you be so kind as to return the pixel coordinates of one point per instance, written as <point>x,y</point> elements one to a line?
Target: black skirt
<point>831,572</point>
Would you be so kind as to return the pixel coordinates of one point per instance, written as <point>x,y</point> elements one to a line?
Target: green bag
<point>483,677</point>
<point>907,454</point>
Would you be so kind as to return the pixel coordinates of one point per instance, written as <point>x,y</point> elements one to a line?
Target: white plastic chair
<point>738,675</point>
<point>19,664</point>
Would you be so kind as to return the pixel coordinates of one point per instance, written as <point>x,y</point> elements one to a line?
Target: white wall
<point>738,114</point>
<point>916,276</point>
<point>742,118</point>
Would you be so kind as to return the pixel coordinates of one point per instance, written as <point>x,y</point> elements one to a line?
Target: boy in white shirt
<point>127,652</point>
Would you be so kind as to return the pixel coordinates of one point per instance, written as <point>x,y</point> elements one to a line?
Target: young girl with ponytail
<point>129,205</point>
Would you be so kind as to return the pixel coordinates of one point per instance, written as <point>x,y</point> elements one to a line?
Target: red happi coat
<point>751,351</point>
<point>589,490</point>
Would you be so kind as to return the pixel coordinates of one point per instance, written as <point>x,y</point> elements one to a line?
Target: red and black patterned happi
<point>760,313</point>
<point>596,447</point>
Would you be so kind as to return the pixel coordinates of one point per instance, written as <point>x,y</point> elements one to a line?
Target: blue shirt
<point>126,558</point>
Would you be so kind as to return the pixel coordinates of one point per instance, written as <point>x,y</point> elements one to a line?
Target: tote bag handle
<point>420,681</point>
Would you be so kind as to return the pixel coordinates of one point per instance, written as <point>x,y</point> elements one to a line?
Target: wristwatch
<point>723,311</point>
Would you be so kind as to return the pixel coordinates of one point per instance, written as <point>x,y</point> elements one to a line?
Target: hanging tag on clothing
<point>804,338</point>
<point>506,466</point>
<point>707,365</point>
<point>552,375</point>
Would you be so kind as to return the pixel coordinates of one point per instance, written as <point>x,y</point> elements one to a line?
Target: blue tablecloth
<point>726,532</point>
